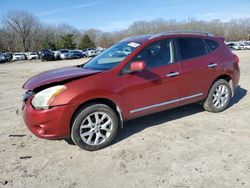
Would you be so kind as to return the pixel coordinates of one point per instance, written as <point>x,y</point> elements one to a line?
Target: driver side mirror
<point>137,66</point>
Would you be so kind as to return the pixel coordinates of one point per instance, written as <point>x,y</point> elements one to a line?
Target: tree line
<point>22,31</point>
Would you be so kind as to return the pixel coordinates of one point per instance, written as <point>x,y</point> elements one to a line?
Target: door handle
<point>212,65</point>
<point>172,74</point>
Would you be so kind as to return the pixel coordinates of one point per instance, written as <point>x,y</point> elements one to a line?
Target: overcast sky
<point>110,15</point>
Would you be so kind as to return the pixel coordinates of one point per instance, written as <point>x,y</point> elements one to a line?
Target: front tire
<point>219,97</point>
<point>94,127</point>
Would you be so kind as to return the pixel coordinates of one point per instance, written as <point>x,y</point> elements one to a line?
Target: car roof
<point>144,38</point>
<point>75,51</point>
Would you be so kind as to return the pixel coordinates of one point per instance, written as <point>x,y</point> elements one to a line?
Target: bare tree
<point>94,35</point>
<point>20,30</point>
<point>9,40</point>
<point>23,24</point>
<point>106,40</point>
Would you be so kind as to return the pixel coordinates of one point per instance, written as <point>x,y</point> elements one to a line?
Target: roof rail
<point>135,36</point>
<point>181,32</point>
<point>127,38</point>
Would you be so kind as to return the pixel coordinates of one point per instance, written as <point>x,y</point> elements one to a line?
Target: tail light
<point>236,62</point>
<point>236,58</point>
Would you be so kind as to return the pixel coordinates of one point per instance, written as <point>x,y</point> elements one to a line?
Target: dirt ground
<point>184,147</point>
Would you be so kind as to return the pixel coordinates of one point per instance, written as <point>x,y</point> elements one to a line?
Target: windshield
<point>112,56</point>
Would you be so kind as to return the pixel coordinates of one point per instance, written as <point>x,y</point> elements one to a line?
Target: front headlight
<point>43,98</point>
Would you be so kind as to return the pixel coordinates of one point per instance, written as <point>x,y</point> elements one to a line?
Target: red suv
<point>138,76</point>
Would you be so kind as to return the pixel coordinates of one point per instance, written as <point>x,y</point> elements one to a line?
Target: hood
<point>57,75</point>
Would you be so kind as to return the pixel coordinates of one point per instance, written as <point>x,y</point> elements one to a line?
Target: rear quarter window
<point>191,47</point>
<point>212,44</point>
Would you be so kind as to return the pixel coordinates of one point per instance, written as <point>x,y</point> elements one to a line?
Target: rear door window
<point>191,47</point>
<point>212,44</point>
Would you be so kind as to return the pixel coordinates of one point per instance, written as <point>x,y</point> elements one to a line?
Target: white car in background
<point>247,45</point>
<point>91,52</point>
<point>238,46</point>
<point>33,55</point>
<point>64,53</point>
<point>57,54</point>
<point>18,56</point>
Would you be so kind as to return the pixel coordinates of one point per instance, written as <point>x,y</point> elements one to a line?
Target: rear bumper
<point>53,123</point>
<point>236,78</point>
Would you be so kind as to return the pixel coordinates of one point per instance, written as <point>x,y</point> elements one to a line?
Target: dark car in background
<point>2,58</point>
<point>5,57</point>
<point>47,55</point>
<point>8,56</point>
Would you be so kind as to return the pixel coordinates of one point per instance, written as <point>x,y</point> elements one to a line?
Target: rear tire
<point>94,127</point>
<point>219,97</point>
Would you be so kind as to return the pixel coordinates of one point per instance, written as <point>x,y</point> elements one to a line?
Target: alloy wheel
<point>96,128</point>
<point>220,96</point>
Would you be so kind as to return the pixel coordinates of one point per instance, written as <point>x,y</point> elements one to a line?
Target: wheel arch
<point>105,101</point>
<point>226,77</point>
